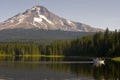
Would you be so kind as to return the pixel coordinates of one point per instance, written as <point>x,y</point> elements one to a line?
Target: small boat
<point>98,61</point>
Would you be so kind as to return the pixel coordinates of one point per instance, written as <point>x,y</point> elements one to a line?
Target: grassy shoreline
<point>116,59</point>
<point>49,56</point>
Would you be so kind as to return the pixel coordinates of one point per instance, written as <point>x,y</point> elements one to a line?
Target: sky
<point>97,13</point>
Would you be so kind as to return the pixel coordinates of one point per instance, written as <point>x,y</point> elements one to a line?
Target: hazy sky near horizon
<point>97,13</point>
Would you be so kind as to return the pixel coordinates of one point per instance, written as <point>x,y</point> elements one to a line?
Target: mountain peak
<point>37,7</point>
<point>39,17</point>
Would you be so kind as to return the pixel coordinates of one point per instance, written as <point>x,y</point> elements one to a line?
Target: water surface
<point>53,69</point>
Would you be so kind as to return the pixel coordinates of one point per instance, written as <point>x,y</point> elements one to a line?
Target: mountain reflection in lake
<point>13,68</point>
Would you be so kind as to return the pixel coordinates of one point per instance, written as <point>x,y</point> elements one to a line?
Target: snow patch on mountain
<point>21,20</point>
<point>39,20</point>
<point>12,21</point>
<point>50,22</point>
<point>61,22</point>
<point>71,23</point>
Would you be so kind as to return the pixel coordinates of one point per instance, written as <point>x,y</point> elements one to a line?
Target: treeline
<point>105,44</point>
<point>14,49</point>
<point>56,48</point>
<point>101,44</point>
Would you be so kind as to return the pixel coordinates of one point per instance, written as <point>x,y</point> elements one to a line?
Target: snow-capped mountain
<point>38,17</point>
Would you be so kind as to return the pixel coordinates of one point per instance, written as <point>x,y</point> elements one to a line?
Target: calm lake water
<point>14,68</point>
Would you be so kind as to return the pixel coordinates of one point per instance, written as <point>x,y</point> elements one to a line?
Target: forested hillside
<point>39,34</point>
<point>105,44</point>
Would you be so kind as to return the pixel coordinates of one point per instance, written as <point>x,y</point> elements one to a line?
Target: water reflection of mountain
<point>109,71</point>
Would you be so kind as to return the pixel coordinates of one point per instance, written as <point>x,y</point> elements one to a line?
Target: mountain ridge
<point>39,17</point>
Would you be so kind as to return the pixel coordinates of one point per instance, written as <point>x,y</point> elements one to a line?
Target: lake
<point>14,68</point>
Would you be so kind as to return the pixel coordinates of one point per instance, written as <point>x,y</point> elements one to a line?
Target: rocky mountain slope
<point>38,17</point>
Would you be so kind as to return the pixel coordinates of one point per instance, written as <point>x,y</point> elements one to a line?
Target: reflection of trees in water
<point>73,68</point>
<point>29,59</point>
<point>113,70</point>
<point>109,71</point>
